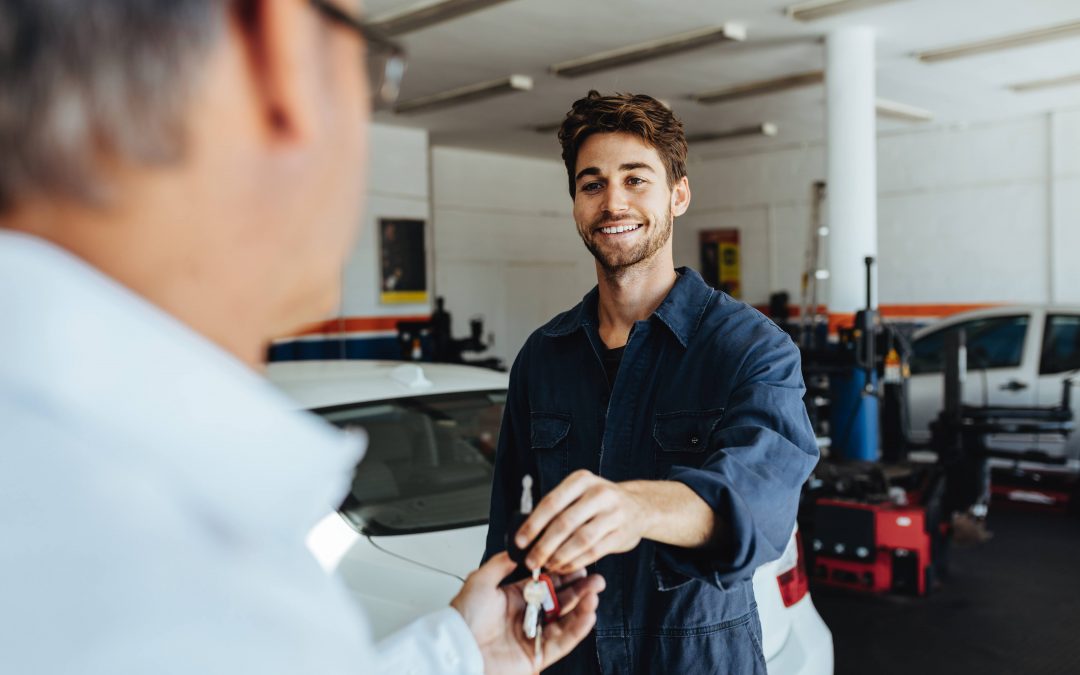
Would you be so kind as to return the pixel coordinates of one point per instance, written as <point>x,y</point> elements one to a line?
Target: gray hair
<point>83,80</point>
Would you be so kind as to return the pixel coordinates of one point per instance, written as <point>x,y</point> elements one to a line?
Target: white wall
<point>505,243</point>
<point>982,214</point>
<point>398,187</point>
<point>988,213</point>
<point>1065,207</point>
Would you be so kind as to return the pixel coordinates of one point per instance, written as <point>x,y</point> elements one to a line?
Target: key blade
<point>537,655</point>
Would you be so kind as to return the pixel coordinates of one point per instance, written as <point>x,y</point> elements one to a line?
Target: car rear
<point>795,639</point>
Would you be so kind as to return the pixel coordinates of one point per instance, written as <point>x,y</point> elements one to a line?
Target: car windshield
<point>428,464</point>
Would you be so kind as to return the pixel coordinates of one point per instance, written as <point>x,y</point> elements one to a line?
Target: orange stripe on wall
<point>899,311</point>
<point>355,324</point>
<point>936,311</point>
<point>847,319</point>
<point>842,319</point>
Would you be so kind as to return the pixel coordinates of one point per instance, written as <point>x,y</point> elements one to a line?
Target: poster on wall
<point>720,256</point>
<point>403,268</point>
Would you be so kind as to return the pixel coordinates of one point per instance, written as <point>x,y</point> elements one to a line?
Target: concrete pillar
<point>851,138</point>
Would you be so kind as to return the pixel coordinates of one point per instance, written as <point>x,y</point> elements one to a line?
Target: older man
<point>179,182</point>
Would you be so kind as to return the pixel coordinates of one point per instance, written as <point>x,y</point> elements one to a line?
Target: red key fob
<point>550,605</point>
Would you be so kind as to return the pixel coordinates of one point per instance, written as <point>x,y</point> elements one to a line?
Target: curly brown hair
<point>636,114</point>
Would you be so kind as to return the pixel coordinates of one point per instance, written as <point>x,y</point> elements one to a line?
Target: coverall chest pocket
<point>550,440</point>
<point>683,438</point>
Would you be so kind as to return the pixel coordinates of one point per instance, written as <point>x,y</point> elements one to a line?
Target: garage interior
<point>945,132</point>
<point>895,184</point>
<point>936,136</point>
<point>979,181</point>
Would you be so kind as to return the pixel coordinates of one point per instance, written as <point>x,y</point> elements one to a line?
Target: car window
<point>1061,346</point>
<point>428,464</point>
<point>996,342</point>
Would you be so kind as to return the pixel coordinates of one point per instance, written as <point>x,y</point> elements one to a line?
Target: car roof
<point>1002,310</point>
<point>318,384</point>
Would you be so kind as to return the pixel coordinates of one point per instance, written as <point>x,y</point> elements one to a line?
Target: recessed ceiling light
<point>684,42</point>
<point>819,9</point>
<point>429,14</point>
<point>466,94</point>
<point>1031,37</point>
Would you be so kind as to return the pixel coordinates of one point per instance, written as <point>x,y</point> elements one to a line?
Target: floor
<point>1011,605</point>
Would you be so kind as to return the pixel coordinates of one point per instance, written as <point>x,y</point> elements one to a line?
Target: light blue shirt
<point>155,495</point>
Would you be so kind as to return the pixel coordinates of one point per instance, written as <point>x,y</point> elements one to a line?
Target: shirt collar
<point>146,391</point>
<point>681,310</point>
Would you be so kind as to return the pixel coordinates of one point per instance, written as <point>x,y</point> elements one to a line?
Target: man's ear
<point>280,41</point>
<point>680,197</point>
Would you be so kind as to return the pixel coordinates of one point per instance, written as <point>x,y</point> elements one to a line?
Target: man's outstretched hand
<point>495,613</point>
<point>586,518</point>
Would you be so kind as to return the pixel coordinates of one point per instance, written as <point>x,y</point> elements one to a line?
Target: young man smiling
<point>663,420</point>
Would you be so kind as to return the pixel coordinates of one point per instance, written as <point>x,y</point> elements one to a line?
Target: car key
<point>541,602</point>
<point>541,606</point>
<point>533,593</point>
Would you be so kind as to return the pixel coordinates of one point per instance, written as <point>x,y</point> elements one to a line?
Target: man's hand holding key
<point>495,614</point>
<point>508,621</point>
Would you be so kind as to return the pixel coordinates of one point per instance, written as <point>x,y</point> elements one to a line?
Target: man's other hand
<point>495,614</point>
<point>582,520</point>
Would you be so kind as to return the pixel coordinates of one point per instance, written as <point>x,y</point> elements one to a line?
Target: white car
<point>414,524</point>
<point>1016,356</point>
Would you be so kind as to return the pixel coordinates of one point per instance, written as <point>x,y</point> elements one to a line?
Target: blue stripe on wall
<point>382,347</point>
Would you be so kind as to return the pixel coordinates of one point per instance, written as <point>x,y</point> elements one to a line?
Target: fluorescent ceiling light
<point>902,111</point>
<point>551,128</point>
<point>1031,37</point>
<point>763,129</point>
<point>467,94</point>
<point>1037,85</point>
<point>819,9</point>
<point>547,128</point>
<point>684,42</point>
<point>429,14</point>
<point>760,87</point>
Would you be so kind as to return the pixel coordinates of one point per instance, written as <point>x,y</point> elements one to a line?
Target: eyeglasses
<point>385,58</point>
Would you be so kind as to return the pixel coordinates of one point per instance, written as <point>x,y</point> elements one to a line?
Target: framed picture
<point>720,257</point>
<point>403,261</point>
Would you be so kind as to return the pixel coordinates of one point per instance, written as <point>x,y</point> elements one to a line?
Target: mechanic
<point>180,182</point>
<point>663,418</point>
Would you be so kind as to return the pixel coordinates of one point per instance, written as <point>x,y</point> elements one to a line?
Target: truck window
<point>1061,345</point>
<point>995,342</point>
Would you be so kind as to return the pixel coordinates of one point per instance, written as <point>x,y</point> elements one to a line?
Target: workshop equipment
<point>433,340</point>
<point>854,386</point>
<point>875,528</point>
<point>962,435</point>
<point>877,547</point>
<point>813,326</point>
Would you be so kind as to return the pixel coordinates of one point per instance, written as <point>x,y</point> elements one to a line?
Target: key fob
<point>550,604</point>
<point>517,554</point>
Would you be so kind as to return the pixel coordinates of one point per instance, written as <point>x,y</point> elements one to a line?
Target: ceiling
<point>527,36</point>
